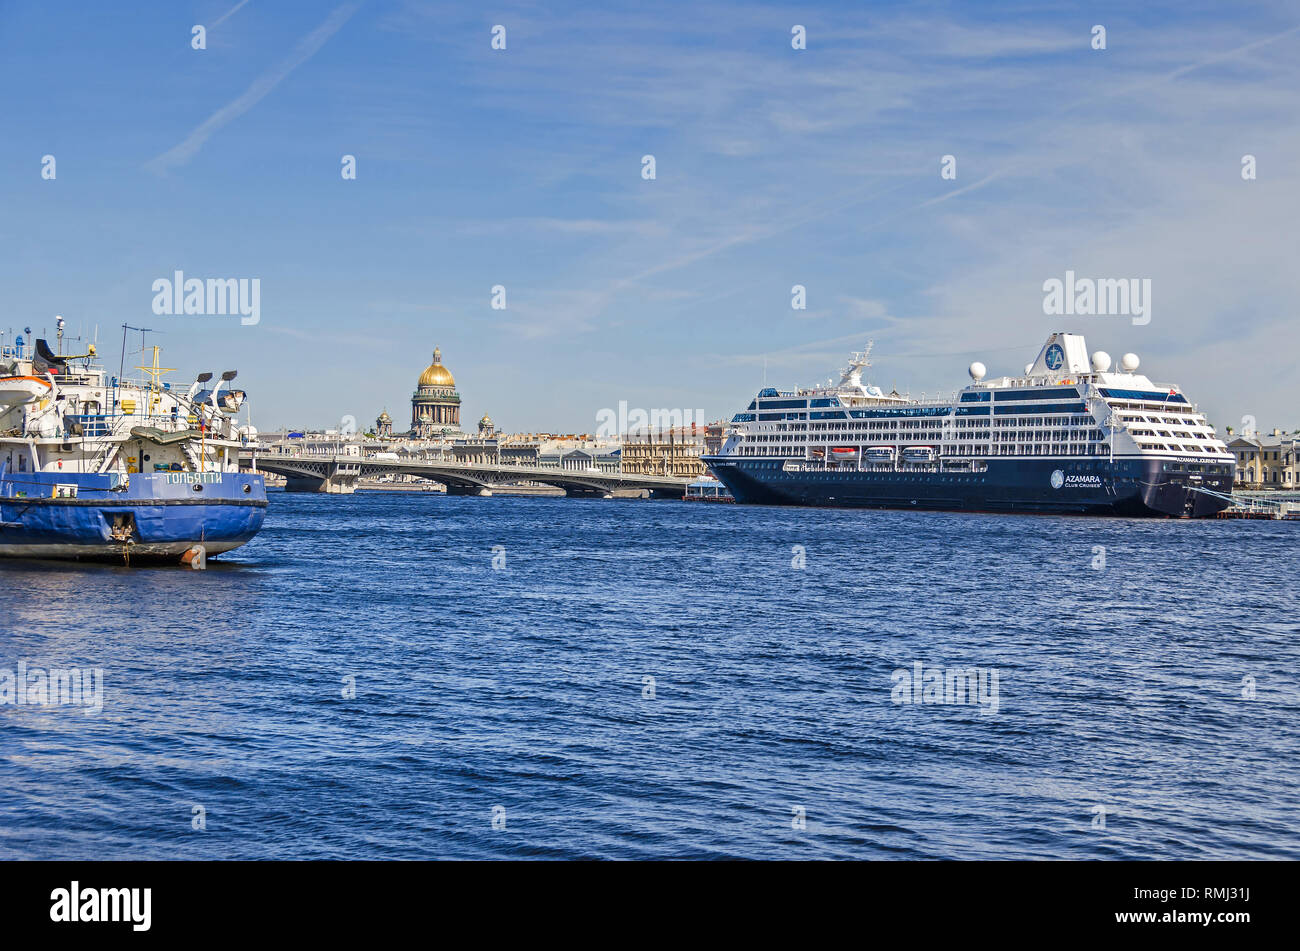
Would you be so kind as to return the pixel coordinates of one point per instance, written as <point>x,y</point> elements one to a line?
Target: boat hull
<point>149,517</point>
<point>1130,488</point>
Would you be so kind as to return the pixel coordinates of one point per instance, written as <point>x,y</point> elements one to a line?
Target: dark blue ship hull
<point>143,516</point>
<point>1124,487</point>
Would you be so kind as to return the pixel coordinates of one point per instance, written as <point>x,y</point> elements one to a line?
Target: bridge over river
<point>339,475</point>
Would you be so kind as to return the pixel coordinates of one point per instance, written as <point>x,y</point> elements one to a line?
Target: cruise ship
<point>1069,435</point>
<point>94,466</point>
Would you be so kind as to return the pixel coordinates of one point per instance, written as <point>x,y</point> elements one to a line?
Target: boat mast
<point>121,367</point>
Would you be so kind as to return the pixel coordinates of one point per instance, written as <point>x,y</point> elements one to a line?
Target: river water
<point>418,676</point>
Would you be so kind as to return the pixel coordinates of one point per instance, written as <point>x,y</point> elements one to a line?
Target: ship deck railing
<point>136,419</point>
<point>92,425</point>
<point>98,425</point>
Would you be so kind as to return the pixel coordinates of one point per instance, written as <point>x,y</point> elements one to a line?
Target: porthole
<point>198,486</point>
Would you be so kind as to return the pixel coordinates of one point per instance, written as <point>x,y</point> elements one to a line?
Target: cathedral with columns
<point>435,406</point>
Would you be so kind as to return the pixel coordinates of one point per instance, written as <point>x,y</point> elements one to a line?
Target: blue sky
<point>775,167</point>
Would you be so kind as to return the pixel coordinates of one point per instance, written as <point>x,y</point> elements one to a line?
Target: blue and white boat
<point>93,466</point>
<point>1069,435</point>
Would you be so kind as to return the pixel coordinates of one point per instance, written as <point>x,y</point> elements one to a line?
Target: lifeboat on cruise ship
<point>919,454</point>
<point>16,390</point>
<point>231,401</point>
<point>879,453</point>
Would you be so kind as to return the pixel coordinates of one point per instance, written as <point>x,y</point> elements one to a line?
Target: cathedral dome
<point>436,374</point>
<point>435,404</point>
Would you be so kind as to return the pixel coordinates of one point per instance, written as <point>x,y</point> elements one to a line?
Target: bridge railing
<point>525,472</point>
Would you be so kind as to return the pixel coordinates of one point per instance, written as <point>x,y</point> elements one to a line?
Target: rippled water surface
<point>1123,687</point>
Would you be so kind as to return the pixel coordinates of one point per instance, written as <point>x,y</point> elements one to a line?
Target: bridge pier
<point>479,490</point>
<point>340,478</point>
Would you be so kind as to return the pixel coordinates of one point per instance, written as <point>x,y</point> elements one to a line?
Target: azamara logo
<point>1060,479</point>
<point>103,904</point>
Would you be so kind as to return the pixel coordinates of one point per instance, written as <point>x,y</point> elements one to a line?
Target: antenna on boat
<point>121,367</point>
<point>862,358</point>
<point>859,360</point>
<point>155,372</point>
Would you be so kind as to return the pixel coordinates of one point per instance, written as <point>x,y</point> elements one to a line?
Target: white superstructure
<point>1065,404</point>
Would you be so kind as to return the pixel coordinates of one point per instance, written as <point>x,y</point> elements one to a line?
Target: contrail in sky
<point>306,48</point>
<point>228,14</point>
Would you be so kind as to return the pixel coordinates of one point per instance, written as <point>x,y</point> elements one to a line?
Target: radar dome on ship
<point>1129,362</point>
<point>977,371</point>
<point>1100,361</point>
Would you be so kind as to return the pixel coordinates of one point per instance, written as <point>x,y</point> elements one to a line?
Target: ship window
<point>1143,395</point>
<point>1042,394</point>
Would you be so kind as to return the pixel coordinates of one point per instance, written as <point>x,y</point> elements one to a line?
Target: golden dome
<point>437,374</point>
